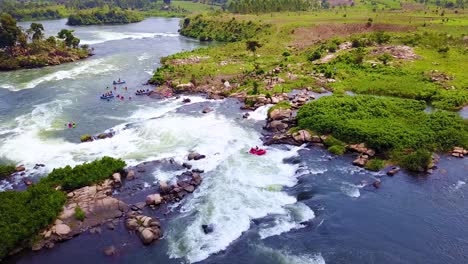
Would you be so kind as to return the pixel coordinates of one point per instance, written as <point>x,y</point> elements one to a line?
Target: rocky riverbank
<point>122,200</point>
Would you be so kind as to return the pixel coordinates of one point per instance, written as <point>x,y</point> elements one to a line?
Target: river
<point>294,205</point>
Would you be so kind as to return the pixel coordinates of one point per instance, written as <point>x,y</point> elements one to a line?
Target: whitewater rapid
<point>237,187</point>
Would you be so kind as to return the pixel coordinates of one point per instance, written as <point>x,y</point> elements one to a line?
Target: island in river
<point>21,49</point>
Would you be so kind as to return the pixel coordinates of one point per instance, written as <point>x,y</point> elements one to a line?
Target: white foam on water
<point>87,67</point>
<point>163,107</point>
<point>260,113</point>
<point>104,36</point>
<point>144,56</point>
<point>294,215</point>
<point>281,256</point>
<point>235,183</point>
<point>351,190</point>
<point>145,140</point>
<point>234,191</point>
<point>459,184</point>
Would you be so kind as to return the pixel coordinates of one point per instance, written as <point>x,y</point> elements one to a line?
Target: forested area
<point>104,16</point>
<point>29,49</point>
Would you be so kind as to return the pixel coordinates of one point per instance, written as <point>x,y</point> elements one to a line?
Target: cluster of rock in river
<point>100,208</point>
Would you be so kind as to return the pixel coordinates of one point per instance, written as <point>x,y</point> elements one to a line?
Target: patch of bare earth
<point>189,60</point>
<point>398,52</point>
<point>308,36</point>
<point>341,2</point>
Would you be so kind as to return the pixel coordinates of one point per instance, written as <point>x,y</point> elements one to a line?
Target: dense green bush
<point>24,214</point>
<point>384,124</point>
<point>375,164</point>
<point>103,16</point>
<point>207,29</point>
<point>332,141</point>
<point>337,149</point>
<point>416,161</point>
<point>79,214</point>
<point>6,170</point>
<point>82,175</point>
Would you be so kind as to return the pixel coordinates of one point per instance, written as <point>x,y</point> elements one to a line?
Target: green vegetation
<point>334,145</point>
<point>416,161</point>
<point>6,170</point>
<point>206,29</point>
<point>248,6</point>
<point>400,63</point>
<point>17,52</point>
<point>393,126</point>
<point>337,149</point>
<point>54,9</point>
<point>104,16</point>
<point>24,214</point>
<point>376,165</point>
<point>82,175</point>
<point>79,214</point>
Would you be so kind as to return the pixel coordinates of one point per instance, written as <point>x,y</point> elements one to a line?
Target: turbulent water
<point>293,205</point>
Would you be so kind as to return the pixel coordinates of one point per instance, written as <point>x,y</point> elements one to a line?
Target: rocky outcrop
<point>459,152</point>
<point>361,148</point>
<point>302,136</point>
<point>361,161</point>
<point>98,207</point>
<point>153,199</point>
<point>147,228</point>
<point>280,114</point>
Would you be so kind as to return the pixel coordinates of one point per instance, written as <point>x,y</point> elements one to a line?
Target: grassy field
<point>406,52</point>
<point>438,46</point>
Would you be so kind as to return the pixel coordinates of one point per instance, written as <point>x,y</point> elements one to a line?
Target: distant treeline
<point>262,6</point>
<point>104,16</point>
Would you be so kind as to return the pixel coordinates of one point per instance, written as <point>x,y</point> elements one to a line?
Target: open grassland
<point>403,54</point>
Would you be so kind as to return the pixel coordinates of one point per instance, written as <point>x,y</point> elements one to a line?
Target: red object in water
<point>258,152</point>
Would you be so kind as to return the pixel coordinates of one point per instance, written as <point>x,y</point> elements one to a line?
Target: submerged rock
<point>208,228</point>
<point>195,156</point>
<point>109,251</point>
<point>207,110</point>
<point>393,171</point>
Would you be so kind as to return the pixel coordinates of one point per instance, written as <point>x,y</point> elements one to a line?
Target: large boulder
<point>117,179</point>
<point>147,228</point>
<point>130,175</point>
<point>164,188</point>
<point>277,126</point>
<point>361,161</point>
<point>302,136</point>
<point>280,113</point>
<point>20,168</point>
<point>62,229</point>
<point>153,199</point>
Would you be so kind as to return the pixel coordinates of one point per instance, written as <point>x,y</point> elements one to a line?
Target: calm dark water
<point>315,208</point>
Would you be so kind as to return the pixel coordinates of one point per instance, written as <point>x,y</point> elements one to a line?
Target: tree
<point>9,31</point>
<point>69,38</point>
<point>37,31</point>
<point>252,46</point>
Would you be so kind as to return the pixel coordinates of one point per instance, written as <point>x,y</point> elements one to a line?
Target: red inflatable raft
<point>258,152</point>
